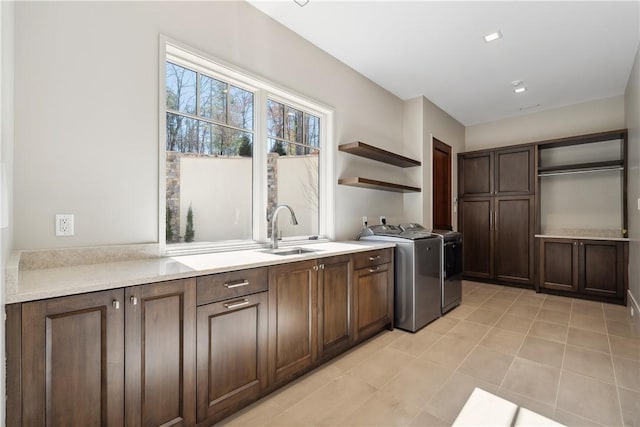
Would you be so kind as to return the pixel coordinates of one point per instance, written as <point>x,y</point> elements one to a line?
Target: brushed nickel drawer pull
<point>373,270</point>
<point>236,304</point>
<point>373,258</point>
<point>236,285</point>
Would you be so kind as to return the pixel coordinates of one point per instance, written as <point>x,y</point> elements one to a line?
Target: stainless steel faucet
<point>274,223</point>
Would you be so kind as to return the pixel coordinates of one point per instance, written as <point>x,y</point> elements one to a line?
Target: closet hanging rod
<point>571,172</point>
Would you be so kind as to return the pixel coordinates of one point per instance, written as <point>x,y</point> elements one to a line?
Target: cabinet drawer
<point>219,287</point>
<point>367,259</point>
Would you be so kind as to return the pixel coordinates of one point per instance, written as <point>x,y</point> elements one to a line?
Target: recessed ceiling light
<point>516,83</point>
<point>520,89</point>
<point>493,36</point>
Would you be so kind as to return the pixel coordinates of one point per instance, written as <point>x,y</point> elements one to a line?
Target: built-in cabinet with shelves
<point>193,351</point>
<point>496,214</point>
<point>582,227</point>
<point>374,153</point>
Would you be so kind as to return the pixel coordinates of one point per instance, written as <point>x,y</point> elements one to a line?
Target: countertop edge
<point>32,285</point>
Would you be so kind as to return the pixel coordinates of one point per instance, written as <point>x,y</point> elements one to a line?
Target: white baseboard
<point>633,303</point>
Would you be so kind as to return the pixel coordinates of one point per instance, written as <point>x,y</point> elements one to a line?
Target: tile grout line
<point>564,355</point>
<point>522,343</point>
<point>613,366</point>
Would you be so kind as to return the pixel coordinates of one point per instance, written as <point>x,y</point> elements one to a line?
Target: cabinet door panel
<point>293,321</point>
<point>73,352</point>
<point>514,223</point>
<point>602,268</point>
<point>374,299</point>
<point>559,264</point>
<point>232,354</point>
<point>334,298</point>
<point>160,354</point>
<point>476,174</point>
<point>476,226</point>
<point>514,171</point>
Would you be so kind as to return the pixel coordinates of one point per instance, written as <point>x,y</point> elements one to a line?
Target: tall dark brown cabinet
<point>497,214</point>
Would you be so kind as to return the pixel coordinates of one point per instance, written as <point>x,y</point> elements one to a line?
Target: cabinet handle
<point>321,266</point>
<point>575,243</point>
<point>373,258</point>
<point>373,270</point>
<point>236,304</point>
<point>315,268</point>
<point>116,304</point>
<point>236,285</point>
<point>134,300</point>
<point>491,220</point>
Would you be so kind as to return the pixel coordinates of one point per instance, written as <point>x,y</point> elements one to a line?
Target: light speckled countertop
<point>579,237</point>
<point>38,284</point>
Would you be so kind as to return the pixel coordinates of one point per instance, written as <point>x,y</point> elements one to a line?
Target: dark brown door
<point>441,186</point>
<point>513,239</point>
<point>602,268</point>
<point>232,354</point>
<point>374,297</point>
<point>476,225</point>
<point>559,264</point>
<point>514,171</point>
<point>73,360</point>
<point>335,294</point>
<point>475,171</point>
<point>160,354</point>
<point>293,294</point>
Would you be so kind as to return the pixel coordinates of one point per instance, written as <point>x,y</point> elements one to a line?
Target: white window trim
<point>263,89</point>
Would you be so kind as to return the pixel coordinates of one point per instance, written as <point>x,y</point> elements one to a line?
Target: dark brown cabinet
<point>75,350</point>
<point>160,349</point>
<point>73,361</point>
<point>592,268</point>
<point>335,294</point>
<point>497,172</point>
<point>232,328</point>
<point>497,214</point>
<point>373,279</point>
<point>293,296</point>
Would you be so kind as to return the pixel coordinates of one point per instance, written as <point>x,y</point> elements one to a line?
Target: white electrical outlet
<point>364,221</point>
<point>64,224</point>
<point>383,219</point>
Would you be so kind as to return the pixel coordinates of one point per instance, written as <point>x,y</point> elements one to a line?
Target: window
<point>235,147</point>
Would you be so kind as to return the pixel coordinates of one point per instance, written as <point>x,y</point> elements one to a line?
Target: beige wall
<point>87,111</point>
<point>594,116</point>
<point>423,120</point>
<point>632,121</point>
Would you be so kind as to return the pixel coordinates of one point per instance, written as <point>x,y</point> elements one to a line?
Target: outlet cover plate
<point>64,225</point>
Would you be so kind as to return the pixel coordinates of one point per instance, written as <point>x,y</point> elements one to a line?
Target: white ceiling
<point>565,52</point>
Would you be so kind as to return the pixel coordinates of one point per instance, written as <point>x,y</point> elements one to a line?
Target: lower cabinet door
<point>160,354</point>
<point>73,361</point>
<point>374,296</point>
<point>335,294</point>
<point>559,264</point>
<point>293,343</point>
<point>232,354</point>
<point>602,268</point>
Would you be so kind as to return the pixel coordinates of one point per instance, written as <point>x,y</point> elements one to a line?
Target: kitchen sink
<point>289,251</point>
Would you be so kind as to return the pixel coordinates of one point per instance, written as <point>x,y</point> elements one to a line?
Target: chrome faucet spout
<point>274,223</point>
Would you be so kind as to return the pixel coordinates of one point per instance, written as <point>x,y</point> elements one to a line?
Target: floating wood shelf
<point>377,185</point>
<point>374,153</point>
<point>581,167</point>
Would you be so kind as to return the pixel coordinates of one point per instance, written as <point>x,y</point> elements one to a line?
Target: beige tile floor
<point>575,361</point>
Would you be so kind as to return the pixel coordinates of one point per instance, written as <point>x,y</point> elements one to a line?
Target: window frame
<point>263,89</point>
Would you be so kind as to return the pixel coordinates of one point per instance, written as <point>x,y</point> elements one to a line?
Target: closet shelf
<point>377,185</point>
<point>374,153</point>
<point>581,167</point>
